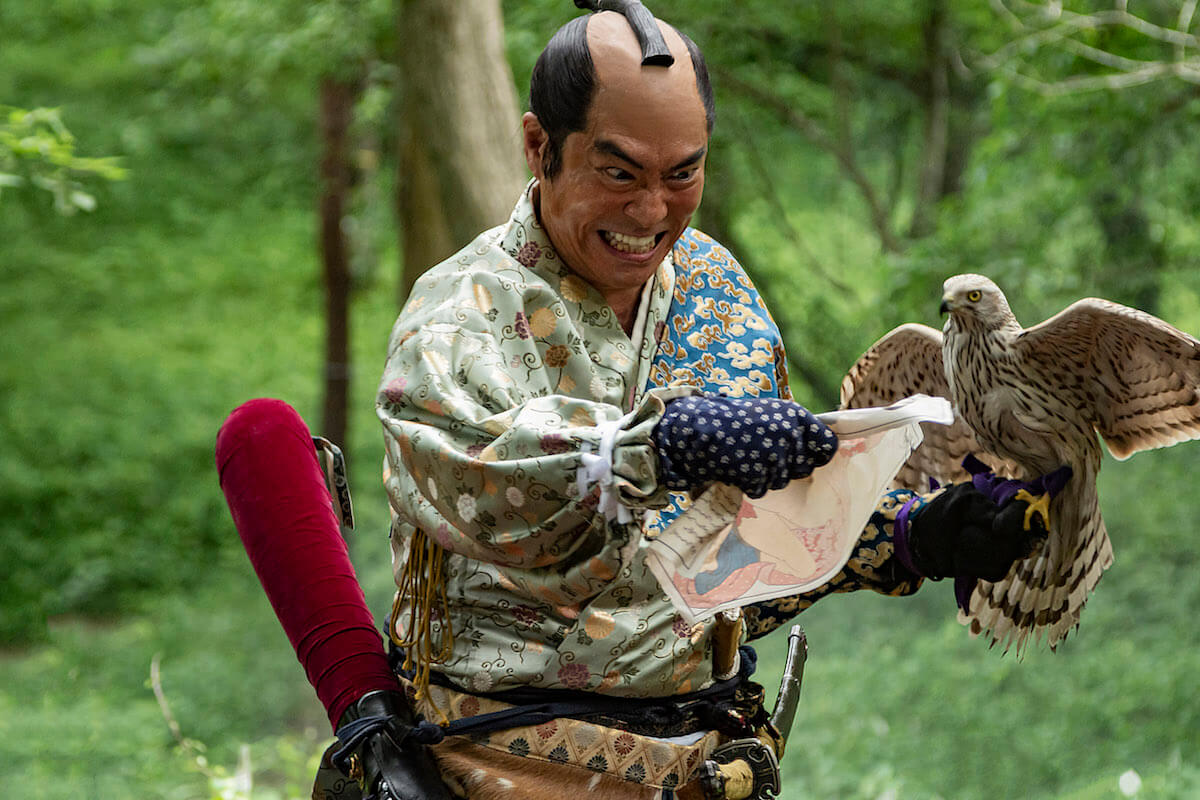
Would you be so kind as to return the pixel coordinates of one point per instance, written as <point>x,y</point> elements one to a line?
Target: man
<point>554,395</point>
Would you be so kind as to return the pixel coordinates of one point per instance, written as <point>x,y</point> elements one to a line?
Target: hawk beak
<point>945,307</point>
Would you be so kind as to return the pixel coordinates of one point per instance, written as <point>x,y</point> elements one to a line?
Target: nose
<point>648,207</point>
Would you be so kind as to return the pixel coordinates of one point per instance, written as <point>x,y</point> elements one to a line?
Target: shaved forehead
<point>617,57</point>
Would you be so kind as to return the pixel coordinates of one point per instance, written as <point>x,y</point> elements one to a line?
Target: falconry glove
<point>380,748</point>
<point>755,444</point>
<point>978,529</point>
<point>963,533</point>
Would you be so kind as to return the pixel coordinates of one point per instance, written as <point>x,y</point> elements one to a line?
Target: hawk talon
<point>1037,505</point>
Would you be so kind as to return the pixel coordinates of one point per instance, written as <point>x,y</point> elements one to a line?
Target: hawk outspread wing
<point>1027,401</point>
<point>1137,376</point>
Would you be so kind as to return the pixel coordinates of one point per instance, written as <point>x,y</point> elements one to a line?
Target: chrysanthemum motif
<point>547,730</point>
<point>469,706</point>
<point>521,325</point>
<point>553,444</point>
<point>481,681</point>
<point>573,676</point>
<point>394,391</point>
<point>529,254</point>
<point>572,289</point>
<point>557,356</point>
<point>466,507</point>
<point>526,614</point>
<point>542,322</point>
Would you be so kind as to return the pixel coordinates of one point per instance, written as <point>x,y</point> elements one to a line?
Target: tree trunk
<point>336,109</point>
<point>460,163</point>
<point>936,102</point>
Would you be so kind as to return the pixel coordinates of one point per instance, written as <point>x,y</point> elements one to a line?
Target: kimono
<point>521,470</point>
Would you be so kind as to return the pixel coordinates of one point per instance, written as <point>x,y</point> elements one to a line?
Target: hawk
<point>1027,401</point>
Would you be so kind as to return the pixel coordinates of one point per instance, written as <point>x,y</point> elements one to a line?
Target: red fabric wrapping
<point>276,492</point>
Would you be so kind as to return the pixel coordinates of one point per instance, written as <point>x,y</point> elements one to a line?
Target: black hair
<point>563,84</point>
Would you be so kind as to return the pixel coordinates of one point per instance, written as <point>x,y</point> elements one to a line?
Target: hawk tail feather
<point>1040,600</point>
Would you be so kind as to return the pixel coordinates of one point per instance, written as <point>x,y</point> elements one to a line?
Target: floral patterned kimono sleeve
<point>485,447</point>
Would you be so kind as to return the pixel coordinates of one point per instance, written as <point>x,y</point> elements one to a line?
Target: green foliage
<point>120,365</point>
<point>1075,210</point>
<point>132,331</point>
<point>78,716</point>
<point>249,47</point>
<point>37,149</point>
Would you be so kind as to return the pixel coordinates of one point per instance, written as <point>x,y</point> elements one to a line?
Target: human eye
<point>617,174</point>
<point>683,175</point>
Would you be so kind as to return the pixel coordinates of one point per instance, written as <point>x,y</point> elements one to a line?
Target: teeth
<point>630,244</point>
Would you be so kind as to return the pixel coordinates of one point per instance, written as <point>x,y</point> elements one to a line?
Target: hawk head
<point>974,302</point>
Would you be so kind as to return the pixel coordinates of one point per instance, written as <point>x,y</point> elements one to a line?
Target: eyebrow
<point>612,149</point>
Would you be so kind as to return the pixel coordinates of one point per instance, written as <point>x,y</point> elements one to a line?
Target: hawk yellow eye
<point>974,295</point>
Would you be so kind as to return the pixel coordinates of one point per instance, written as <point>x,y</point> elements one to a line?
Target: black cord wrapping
<point>352,735</point>
<point>654,47</point>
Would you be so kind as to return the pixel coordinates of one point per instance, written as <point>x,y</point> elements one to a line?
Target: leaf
<point>83,200</point>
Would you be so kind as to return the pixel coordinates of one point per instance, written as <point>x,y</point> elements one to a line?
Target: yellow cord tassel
<point>422,585</point>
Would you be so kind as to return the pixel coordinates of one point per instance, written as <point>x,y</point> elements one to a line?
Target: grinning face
<point>631,180</point>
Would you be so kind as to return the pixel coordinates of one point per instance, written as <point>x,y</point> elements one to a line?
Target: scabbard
<point>789,686</point>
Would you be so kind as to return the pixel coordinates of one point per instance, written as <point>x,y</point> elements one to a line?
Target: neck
<point>626,308</point>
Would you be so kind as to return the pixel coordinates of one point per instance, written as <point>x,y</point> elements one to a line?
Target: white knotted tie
<point>596,469</point>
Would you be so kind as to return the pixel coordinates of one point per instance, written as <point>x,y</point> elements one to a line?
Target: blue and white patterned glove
<point>755,444</point>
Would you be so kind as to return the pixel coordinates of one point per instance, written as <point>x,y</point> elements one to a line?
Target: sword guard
<point>744,769</point>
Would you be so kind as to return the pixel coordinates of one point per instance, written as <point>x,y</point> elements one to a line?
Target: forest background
<point>248,239</point>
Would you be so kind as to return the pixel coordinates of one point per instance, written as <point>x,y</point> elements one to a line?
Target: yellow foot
<point>1037,505</point>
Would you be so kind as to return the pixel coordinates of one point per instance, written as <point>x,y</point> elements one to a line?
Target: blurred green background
<point>863,153</point>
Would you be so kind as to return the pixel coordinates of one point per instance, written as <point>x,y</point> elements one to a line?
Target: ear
<point>535,140</point>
